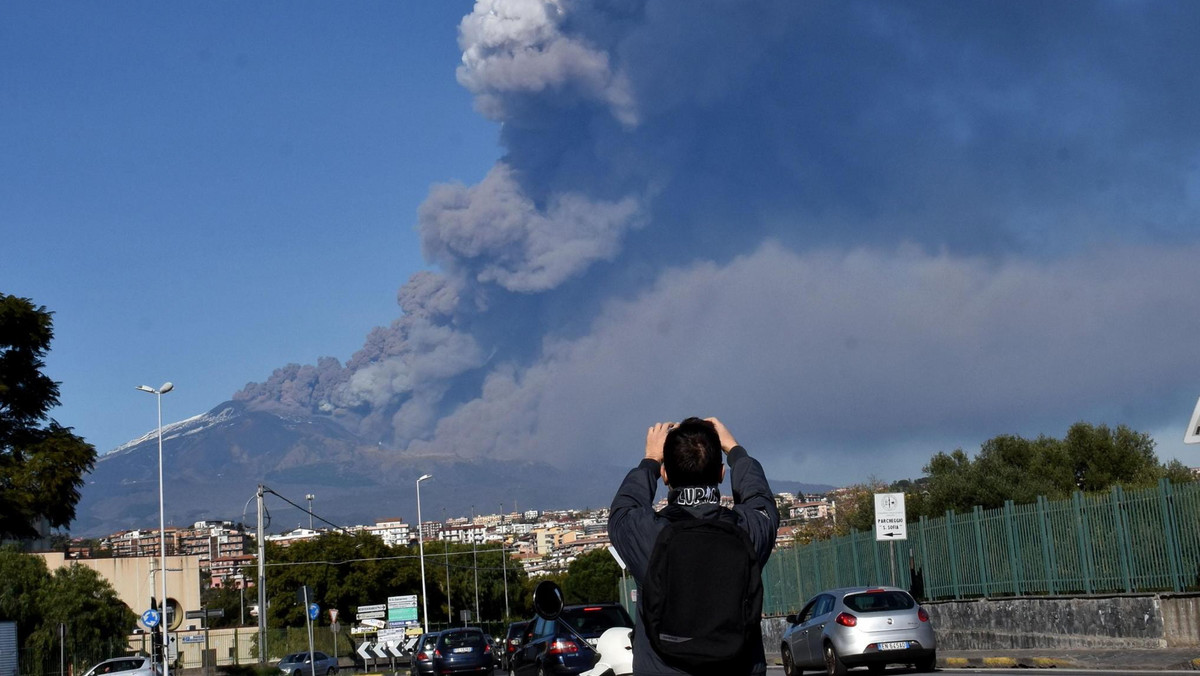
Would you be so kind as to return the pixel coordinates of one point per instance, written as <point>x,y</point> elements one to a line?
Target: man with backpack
<point>698,565</point>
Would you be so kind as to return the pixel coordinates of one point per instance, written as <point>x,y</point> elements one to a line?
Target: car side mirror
<point>791,619</point>
<point>547,600</point>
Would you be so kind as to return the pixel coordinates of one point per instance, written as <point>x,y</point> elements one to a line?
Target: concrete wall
<point>1181,620</point>
<point>135,578</point>
<point>1039,622</point>
<point>1142,621</point>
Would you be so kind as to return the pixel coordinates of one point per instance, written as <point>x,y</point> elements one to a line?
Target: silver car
<point>134,665</point>
<point>298,664</point>
<point>858,626</point>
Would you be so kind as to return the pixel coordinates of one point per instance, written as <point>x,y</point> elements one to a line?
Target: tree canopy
<point>97,621</point>
<point>42,463</point>
<point>1089,458</point>
<point>593,578</point>
<point>347,571</point>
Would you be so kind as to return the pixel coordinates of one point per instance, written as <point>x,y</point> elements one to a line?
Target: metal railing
<point>1117,541</point>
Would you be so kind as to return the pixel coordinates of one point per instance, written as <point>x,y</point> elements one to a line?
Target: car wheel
<point>927,664</point>
<point>833,664</point>
<point>331,672</point>
<point>789,668</point>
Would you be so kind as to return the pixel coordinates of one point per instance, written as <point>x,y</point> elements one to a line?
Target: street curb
<point>1004,662</point>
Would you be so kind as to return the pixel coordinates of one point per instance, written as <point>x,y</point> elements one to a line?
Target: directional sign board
<point>402,610</point>
<point>313,611</point>
<point>890,523</point>
<point>375,612</point>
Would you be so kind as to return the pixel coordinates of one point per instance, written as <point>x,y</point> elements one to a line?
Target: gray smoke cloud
<point>870,229</point>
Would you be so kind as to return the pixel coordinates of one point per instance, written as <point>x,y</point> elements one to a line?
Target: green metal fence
<point>1114,542</point>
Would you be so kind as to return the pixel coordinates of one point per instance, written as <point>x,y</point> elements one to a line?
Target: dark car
<point>512,640</point>
<point>551,647</point>
<point>421,663</point>
<point>463,651</point>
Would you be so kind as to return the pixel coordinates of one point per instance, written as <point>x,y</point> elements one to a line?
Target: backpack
<point>702,596</point>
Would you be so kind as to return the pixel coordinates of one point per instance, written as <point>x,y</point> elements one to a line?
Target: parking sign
<point>890,522</point>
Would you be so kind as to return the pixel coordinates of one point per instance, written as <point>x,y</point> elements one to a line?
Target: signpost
<point>402,611</point>
<point>305,595</point>
<point>890,524</point>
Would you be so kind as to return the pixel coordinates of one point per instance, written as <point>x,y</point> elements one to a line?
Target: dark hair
<point>692,454</point>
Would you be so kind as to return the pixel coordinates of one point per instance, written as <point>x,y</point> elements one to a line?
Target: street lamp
<point>421,547</point>
<point>162,527</point>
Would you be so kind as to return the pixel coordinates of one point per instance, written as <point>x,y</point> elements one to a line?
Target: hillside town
<point>543,542</point>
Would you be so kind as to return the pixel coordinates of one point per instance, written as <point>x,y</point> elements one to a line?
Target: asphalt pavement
<point>1093,659</point>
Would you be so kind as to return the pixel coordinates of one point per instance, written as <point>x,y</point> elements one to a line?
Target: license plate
<point>462,650</point>
<point>894,645</point>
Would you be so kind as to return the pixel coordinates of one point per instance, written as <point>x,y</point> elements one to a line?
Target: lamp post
<point>421,547</point>
<point>162,527</point>
<point>504,559</point>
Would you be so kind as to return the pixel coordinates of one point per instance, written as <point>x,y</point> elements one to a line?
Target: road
<point>778,671</point>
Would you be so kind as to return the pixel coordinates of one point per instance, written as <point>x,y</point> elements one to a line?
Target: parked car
<point>463,651</point>
<point>512,640</point>
<point>551,647</point>
<point>858,626</point>
<point>133,665</point>
<point>421,663</point>
<point>299,664</point>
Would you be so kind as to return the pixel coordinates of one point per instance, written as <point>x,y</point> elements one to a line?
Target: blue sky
<point>860,233</point>
<point>202,193</point>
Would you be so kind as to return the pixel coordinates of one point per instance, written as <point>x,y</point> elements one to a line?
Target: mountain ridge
<point>214,462</point>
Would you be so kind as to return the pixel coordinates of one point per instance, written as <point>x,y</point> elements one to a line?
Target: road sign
<point>364,650</point>
<point>402,610</point>
<point>375,612</point>
<point>333,613</point>
<point>1193,431</point>
<point>372,622</point>
<point>313,611</point>
<point>890,522</point>
<point>151,618</point>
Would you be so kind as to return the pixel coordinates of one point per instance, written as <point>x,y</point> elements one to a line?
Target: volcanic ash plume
<point>802,216</point>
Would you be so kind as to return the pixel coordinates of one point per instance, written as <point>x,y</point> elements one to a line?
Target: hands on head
<point>656,437</point>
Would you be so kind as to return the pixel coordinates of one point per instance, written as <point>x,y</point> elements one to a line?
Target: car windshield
<point>594,620</point>
<point>879,602</point>
<point>460,639</point>
<point>119,665</point>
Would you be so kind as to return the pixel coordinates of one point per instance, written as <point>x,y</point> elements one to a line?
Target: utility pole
<point>475,556</point>
<point>504,560</point>
<point>446,548</point>
<point>262,582</point>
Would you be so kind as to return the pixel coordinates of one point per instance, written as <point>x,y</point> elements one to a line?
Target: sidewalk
<point>1080,658</point>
